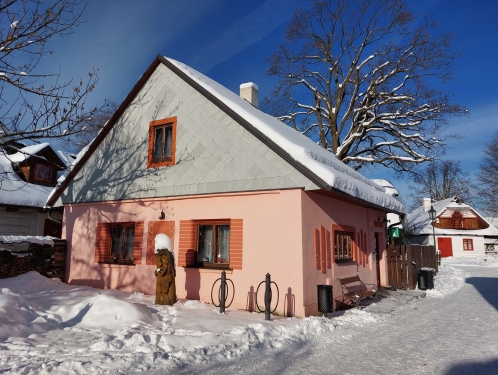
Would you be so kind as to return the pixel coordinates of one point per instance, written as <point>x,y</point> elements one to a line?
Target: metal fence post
<point>222,290</point>
<point>267,297</point>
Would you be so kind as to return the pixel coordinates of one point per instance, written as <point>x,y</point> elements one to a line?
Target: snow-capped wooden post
<point>165,272</point>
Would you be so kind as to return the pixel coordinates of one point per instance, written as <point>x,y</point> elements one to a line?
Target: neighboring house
<point>27,177</point>
<point>234,188</point>
<point>459,230</point>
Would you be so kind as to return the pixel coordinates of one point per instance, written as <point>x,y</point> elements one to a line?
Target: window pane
<point>39,171</point>
<point>117,241</point>
<point>167,141</point>
<point>204,248</point>
<point>223,232</point>
<point>158,142</point>
<point>129,242</point>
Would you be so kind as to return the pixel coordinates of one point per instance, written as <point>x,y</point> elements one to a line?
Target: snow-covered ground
<point>47,327</point>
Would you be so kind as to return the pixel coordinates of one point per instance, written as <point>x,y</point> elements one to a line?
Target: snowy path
<point>456,334</point>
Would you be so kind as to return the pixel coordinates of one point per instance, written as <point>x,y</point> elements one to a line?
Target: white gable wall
<point>213,152</point>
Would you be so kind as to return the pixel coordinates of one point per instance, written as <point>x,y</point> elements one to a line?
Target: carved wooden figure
<point>165,272</point>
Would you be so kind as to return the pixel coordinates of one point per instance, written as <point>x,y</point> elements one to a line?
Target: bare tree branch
<point>36,105</point>
<point>357,75</point>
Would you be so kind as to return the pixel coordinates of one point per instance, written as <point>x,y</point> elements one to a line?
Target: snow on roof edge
<point>301,149</point>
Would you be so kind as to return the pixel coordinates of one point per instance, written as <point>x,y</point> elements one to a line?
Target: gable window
<point>213,243</point>
<point>162,143</point>
<point>43,172</point>
<point>468,244</point>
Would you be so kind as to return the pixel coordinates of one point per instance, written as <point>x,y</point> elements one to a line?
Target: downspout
<point>51,218</point>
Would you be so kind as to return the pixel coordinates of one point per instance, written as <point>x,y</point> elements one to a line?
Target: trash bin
<point>325,300</point>
<point>422,285</point>
<point>428,275</point>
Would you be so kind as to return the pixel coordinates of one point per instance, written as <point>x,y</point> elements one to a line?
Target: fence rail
<point>404,262</point>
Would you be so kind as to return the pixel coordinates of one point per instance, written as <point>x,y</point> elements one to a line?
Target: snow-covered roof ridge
<point>301,149</point>
<point>420,221</point>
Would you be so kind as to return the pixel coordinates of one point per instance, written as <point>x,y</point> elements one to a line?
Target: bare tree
<point>441,180</point>
<point>356,76</point>
<point>488,178</point>
<point>89,131</point>
<point>34,104</point>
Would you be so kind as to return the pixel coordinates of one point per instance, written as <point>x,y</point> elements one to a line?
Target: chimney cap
<point>249,84</point>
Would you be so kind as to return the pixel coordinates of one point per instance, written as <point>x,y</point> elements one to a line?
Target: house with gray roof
<point>235,190</point>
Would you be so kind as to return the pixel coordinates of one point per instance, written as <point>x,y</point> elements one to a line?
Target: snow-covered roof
<point>15,191</point>
<point>420,221</point>
<point>325,169</point>
<point>301,149</point>
<point>387,185</point>
<point>26,152</point>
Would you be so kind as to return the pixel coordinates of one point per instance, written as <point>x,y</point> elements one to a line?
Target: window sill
<point>346,262</point>
<point>209,269</point>
<point>116,265</point>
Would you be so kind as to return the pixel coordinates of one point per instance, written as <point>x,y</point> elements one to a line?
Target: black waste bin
<point>325,300</point>
<point>428,275</point>
<point>422,285</point>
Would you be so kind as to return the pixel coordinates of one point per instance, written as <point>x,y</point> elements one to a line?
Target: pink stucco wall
<point>278,238</point>
<point>320,210</point>
<point>271,244</point>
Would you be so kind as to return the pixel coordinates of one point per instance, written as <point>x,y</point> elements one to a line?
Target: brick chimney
<point>249,92</point>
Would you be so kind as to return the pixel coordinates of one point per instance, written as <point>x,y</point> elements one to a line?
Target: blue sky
<point>228,41</point>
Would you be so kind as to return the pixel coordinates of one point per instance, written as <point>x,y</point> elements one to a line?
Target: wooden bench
<point>354,290</point>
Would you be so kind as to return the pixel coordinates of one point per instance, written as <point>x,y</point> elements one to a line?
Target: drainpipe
<point>50,217</point>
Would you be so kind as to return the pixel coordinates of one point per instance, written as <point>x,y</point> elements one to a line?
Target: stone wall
<point>49,261</point>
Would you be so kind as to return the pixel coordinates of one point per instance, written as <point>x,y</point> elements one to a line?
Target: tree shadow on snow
<point>490,367</point>
<point>486,286</point>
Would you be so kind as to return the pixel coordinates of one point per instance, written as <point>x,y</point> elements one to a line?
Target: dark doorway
<point>377,257</point>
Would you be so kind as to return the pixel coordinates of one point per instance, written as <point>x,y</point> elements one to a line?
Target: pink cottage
<point>234,188</point>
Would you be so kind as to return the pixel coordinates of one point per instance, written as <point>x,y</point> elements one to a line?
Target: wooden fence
<point>404,263</point>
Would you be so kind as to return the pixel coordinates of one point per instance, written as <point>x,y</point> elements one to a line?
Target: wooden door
<point>444,245</point>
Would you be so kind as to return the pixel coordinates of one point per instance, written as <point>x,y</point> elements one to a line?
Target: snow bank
<point>48,327</point>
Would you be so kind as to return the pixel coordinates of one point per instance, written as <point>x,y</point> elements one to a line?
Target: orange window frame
<point>164,162</point>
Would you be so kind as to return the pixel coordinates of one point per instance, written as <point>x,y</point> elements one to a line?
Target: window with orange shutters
<point>119,242</point>
<point>211,243</point>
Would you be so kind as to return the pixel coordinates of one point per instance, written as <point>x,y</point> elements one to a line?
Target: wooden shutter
<point>236,237</point>
<point>138,243</point>
<point>186,246</point>
<point>154,228</point>
<point>317,249</point>
<point>103,242</point>
<point>365,248</point>
<point>329,254</point>
<point>322,247</point>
